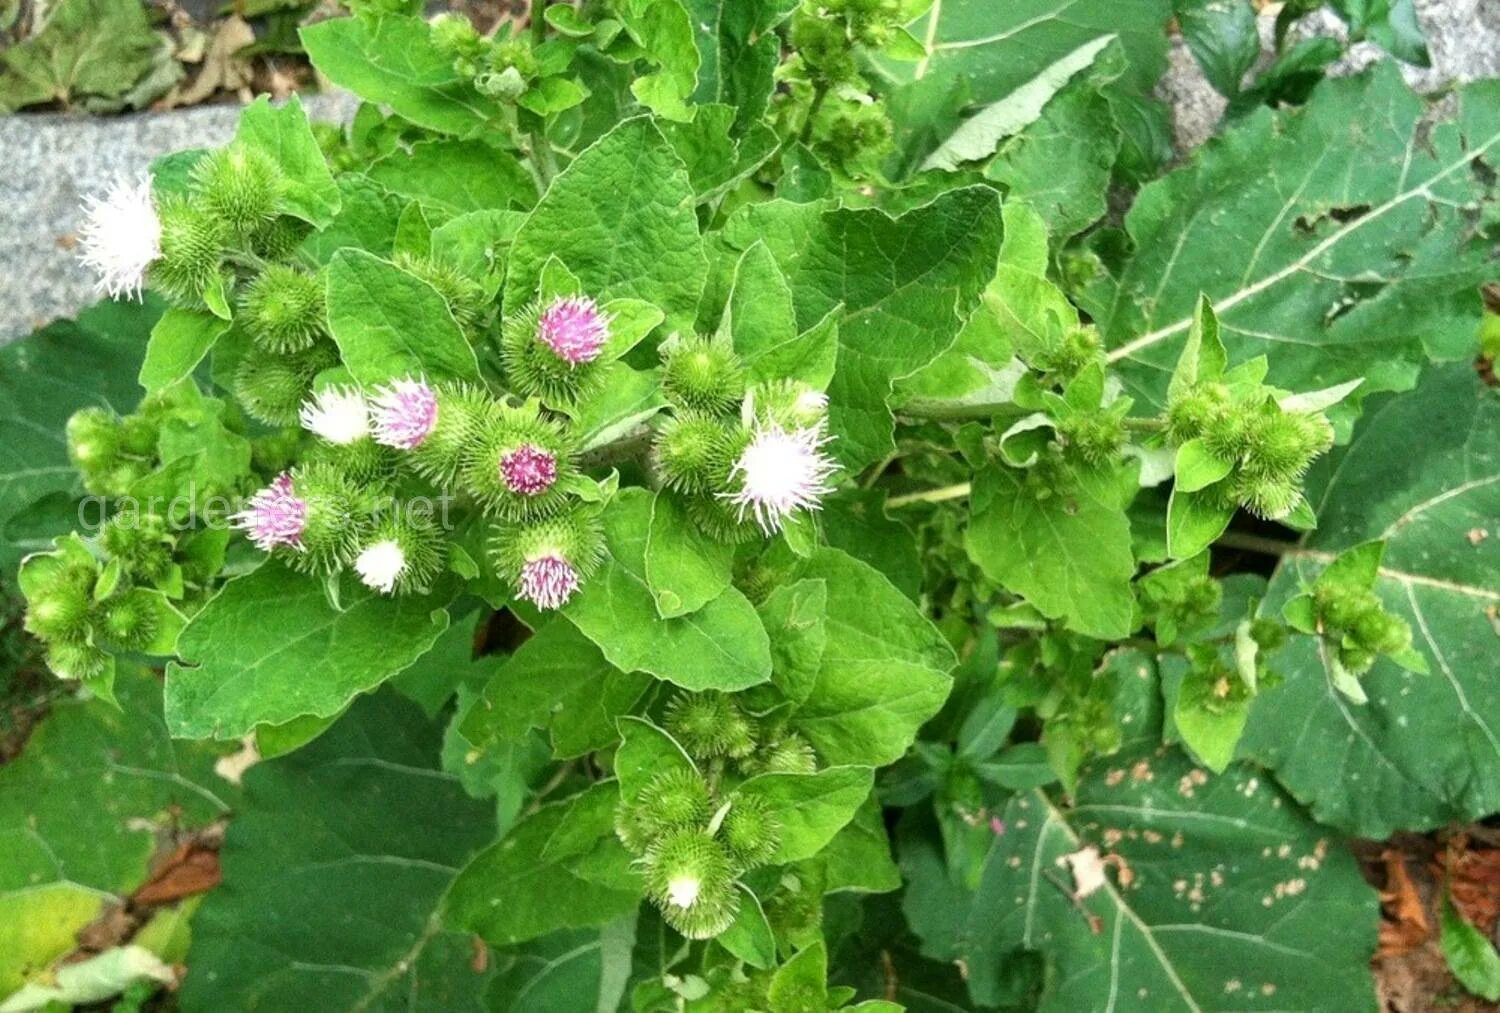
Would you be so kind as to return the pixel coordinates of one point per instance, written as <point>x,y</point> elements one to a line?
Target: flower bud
<point>703,374</point>
<point>1382,632</point>
<point>94,438</point>
<point>70,659</point>
<point>141,542</point>
<point>280,238</point>
<point>518,465</point>
<point>282,309</point>
<point>786,403</point>
<point>273,387</point>
<point>550,350</point>
<point>464,296</point>
<point>547,560</point>
<point>690,879</point>
<point>1191,414</point>
<point>693,452</point>
<point>335,523</point>
<point>751,831</point>
<point>131,620</point>
<point>404,552</point>
<point>709,726</point>
<point>1269,498</point>
<point>192,248</point>
<point>790,754</point>
<point>241,186</point>
<point>61,611</point>
<point>438,426</point>
<point>720,520</point>
<point>672,800</point>
<point>1284,443</point>
<point>1096,438</point>
<point>455,36</point>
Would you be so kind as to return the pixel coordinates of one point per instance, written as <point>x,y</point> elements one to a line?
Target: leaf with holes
<point>1333,239</point>
<point>1425,749</point>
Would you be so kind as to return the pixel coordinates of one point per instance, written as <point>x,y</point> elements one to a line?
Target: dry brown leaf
<point>1405,925</point>
<point>189,870</point>
<point>222,70</point>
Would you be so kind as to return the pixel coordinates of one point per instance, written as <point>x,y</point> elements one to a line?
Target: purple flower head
<point>274,516</point>
<point>548,582</point>
<point>528,470</point>
<point>574,328</point>
<point>404,413</point>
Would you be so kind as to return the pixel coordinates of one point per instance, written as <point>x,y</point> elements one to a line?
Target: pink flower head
<point>274,516</point>
<point>781,472</point>
<point>574,328</point>
<point>528,470</point>
<point>548,582</point>
<point>404,412</point>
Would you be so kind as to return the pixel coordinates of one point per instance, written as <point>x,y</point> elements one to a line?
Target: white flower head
<point>121,236</point>
<point>683,890</point>
<point>781,472</point>
<point>380,565</point>
<point>337,414</point>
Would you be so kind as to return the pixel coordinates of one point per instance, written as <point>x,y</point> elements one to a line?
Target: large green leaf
<point>585,969</point>
<point>45,378</point>
<point>738,52</point>
<point>883,670</point>
<point>560,868</point>
<point>1423,474</point>
<point>390,323</point>
<point>97,792</point>
<point>270,647</point>
<point>1234,899</point>
<point>812,808</point>
<point>620,217</point>
<point>461,176</point>
<point>905,285</point>
<point>391,60</point>
<point>334,869</point>
<point>282,132</point>
<point>1334,239</point>
<point>720,646</point>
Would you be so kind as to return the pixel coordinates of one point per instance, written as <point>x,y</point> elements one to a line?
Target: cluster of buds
<point>1343,610</point>
<point>746,460</point>
<point>234,201</point>
<point>514,463</point>
<point>502,66</point>
<point>692,847</point>
<point>714,729</point>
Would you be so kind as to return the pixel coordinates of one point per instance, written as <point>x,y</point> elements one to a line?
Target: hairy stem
<point>947,492</point>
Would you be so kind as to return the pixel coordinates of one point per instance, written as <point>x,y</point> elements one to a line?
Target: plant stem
<point>1258,543</point>
<point>947,492</point>
<point>1145,425</point>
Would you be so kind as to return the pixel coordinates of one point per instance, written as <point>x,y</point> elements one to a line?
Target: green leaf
<point>44,379</point>
<point>587,968</point>
<point>83,806</point>
<point>720,646</point>
<point>663,29</point>
<point>178,343</point>
<point>795,617</point>
<point>1470,956</point>
<point>812,808</point>
<point>282,132</point>
<point>367,219</point>
<point>1351,259</point>
<point>646,751</point>
<point>859,856</point>
<point>979,135</point>
<point>1421,752</point>
<point>738,53</point>
<point>1231,895</point>
<point>750,937</point>
<point>716,159</point>
<point>86,49</point>
<point>269,648</point>
<point>391,60</point>
<point>1223,38</point>
<point>685,569</point>
<point>357,825</point>
<point>628,398</point>
<point>461,176</point>
<point>906,285</point>
<point>621,217</point>
<point>1195,520</point>
<point>1212,735</point>
<point>559,681</point>
<point>884,669</point>
<point>802,982</point>
<point>477,244</point>
<point>560,868</point>
<point>389,323</point>
<point>762,324</point>
<point>1068,553</point>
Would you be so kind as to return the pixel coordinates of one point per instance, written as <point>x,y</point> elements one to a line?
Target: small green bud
<point>789,404</point>
<point>282,310</point>
<point>791,754</point>
<point>464,295</point>
<point>1269,634</point>
<point>720,520</point>
<point>504,85</point>
<point>514,54</point>
<point>364,462</point>
<point>241,186</point>
<point>1382,632</point>
<point>76,660</point>
<point>693,452</point>
<point>1192,414</point>
<point>273,387</point>
<point>1284,443</point>
<point>280,238</point>
<point>703,374</point>
<point>710,725</point>
<point>751,831</point>
<point>1230,434</point>
<point>1356,659</point>
<point>94,438</point>
<point>61,612</point>
<point>1096,438</point>
<point>690,878</point>
<point>672,800</point>
<point>139,433</point>
<point>131,620</point>
<point>463,414</point>
<point>455,36</point>
<point>1269,498</point>
<point>336,523</point>
<point>141,542</point>
<point>546,560</point>
<point>192,248</point>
